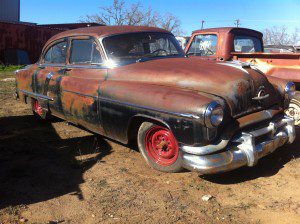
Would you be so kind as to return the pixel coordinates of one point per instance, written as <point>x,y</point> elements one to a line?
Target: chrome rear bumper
<point>248,149</point>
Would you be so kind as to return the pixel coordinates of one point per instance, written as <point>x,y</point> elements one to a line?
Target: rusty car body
<point>184,112</point>
<point>246,45</point>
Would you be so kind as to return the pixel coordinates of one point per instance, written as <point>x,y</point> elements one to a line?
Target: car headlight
<point>290,89</point>
<point>213,115</point>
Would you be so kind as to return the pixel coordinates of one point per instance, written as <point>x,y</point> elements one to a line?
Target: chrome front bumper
<point>248,148</point>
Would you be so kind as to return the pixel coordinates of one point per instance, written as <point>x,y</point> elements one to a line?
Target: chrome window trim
<point>98,43</point>
<point>46,48</point>
<point>75,66</point>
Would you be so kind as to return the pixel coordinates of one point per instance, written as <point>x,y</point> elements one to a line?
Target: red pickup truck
<point>240,45</point>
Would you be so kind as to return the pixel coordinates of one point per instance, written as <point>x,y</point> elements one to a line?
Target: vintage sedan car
<point>135,83</point>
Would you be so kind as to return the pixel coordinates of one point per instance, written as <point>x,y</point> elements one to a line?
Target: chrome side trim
<point>51,65</point>
<point>135,105</point>
<point>81,94</point>
<point>151,108</point>
<point>36,95</point>
<point>23,69</point>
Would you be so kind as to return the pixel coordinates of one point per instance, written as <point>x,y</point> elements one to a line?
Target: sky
<point>253,14</point>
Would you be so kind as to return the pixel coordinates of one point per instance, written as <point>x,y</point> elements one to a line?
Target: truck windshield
<point>247,44</point>
<point>141,46</point>
<point>203,45</point>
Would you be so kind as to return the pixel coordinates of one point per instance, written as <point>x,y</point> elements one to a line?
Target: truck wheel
<point>38,111</point>
<point>294,109</point>
<point>159,147</point>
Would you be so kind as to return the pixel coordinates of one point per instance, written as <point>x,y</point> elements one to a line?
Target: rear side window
<point>247,44</point>
<point>204,45</point>
<point>85,52</point>
<point>57,53</point>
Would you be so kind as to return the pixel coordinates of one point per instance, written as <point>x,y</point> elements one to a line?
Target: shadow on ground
<point>267,166</point>
<point>37,165</point>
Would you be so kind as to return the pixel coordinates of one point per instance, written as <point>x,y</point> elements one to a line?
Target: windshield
<point>139,46</point>
<point>204,45</point>
<point>247,44</point>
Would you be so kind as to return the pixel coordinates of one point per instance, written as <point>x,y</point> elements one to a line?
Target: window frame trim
<point>42,58</point>
<point>83,37</point>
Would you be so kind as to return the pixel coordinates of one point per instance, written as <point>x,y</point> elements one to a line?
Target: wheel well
<point>135,124</point>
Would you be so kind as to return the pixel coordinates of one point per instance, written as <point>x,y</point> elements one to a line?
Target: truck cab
<point>242,45</point>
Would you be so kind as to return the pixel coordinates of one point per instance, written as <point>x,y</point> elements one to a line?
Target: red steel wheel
<point>38,108</point>
<point>161,146</point>
<point>40,113</point>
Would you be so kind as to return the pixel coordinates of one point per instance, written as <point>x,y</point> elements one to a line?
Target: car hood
<point>232,82</point>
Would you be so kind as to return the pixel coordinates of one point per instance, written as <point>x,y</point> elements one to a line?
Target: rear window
<point>85,52</point>
<point>57,53</point>
<point>247,44</point>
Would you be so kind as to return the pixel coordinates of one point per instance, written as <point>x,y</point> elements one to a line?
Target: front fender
<point>181,110</point>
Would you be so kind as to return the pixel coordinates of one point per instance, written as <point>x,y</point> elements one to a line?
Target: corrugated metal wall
<point>10,10</point>
<point>29,38</point>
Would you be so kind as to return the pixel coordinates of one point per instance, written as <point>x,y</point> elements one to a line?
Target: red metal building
<point>21,43</point>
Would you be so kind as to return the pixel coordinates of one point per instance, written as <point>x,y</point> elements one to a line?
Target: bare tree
<point>171,23</point>
<point>119,13</point>
<point>295,38</point>
<point>280,36</point>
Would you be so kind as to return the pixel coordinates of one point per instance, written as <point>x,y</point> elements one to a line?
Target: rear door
<point>51,70</point>
<point>80,85</point>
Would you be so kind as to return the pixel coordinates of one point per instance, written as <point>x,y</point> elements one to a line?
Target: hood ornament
<point>261,95</point>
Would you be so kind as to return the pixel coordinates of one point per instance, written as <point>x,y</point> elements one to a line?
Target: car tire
<point>159,147</point>
<point>293,110</point>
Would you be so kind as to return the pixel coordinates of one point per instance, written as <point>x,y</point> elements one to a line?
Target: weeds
<point>10,68</point>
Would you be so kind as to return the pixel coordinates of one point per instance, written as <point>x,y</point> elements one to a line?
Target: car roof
<point>227,30</point>
<point>101,31</point>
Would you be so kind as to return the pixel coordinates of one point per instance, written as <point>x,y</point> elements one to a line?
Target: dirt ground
<point>57,173</point>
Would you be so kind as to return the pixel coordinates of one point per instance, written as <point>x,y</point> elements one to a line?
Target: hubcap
<point>162,146</point>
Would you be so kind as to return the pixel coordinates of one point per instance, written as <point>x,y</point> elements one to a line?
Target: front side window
<point>203,45</point>
<point>247,44</point>
<point>57,53</point>
<point>85,52</point>
<point>135,46</point>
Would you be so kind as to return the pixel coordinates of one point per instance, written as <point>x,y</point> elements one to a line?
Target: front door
<point>80,85</point>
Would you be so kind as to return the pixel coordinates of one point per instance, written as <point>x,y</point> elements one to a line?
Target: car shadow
<point>267,166</point>
<point>37,165</point>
